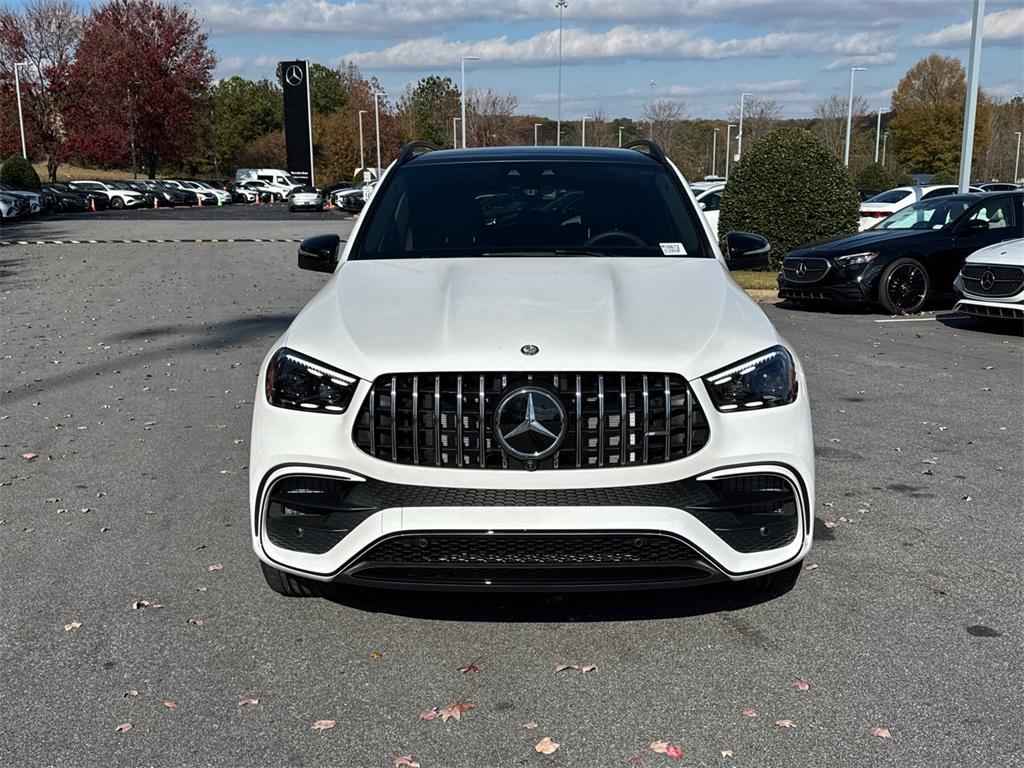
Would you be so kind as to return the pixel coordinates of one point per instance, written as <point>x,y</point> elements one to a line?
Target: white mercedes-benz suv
<point>991,283</point>
<point>530,369</point>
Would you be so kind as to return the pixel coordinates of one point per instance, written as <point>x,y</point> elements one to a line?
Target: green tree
<point>429,107</point>
<point>327,90</point>
<point>18,172</point>
<point>929,116</point>
<point>876,177</point>
<point>817,201</point>
<point>244,110</point>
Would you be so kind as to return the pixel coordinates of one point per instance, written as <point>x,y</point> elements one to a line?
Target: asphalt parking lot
<point>128,370</point>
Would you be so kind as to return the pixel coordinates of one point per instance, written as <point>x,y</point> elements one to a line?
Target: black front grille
<point>800,270</point>
<point>613,420</point>
<point>994,281</point>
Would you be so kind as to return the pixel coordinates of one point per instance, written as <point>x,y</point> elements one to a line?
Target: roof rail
<point>410,150</point>
<point>653,150</point>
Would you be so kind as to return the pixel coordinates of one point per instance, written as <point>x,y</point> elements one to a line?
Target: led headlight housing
<point>853,259</point>
<point>765,380</point>
<point>303,384</point>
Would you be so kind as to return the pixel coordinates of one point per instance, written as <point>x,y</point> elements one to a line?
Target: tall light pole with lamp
<point>714,151</point>
<point>652,84</point>
<point>739,131</point>
<point>878,131</point>
<point>455,132</point>
<point>560,5</point>
<point>376,121</point>
<point>21,119</point>
<point>971,102</point>
<point>885,140</point>
<point>536,126</point>
<point>362,158</point>
<point>463,94</point>
<point>583,140</point>
<point>849,116</point>
<point>620,135</point>
<point>728,147</point>
<point>1016,161</point>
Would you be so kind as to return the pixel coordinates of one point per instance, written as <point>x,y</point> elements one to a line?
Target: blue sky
<point>701,52</point>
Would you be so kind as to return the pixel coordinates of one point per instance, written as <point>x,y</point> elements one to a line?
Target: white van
<point>272,177</point>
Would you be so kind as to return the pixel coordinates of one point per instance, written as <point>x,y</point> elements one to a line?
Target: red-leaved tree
<point>141,71</point>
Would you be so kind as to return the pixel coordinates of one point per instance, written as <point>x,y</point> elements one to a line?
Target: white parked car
<point>274,179</point>
<point>991,282</point>
<point>709,200</point>
<point>10,206</point>
<point>530,401</point>
<point>203,194</point>
<point>305,198</point>
<point>223,196</point>
<point>119,198</point>
<point>885,204</point>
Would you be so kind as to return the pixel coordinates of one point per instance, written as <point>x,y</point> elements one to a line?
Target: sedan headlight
<point>852,259</point>
<point>303,384</point>
<point>762,381</point>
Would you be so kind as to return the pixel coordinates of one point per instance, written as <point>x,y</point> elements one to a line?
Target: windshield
<point>892,196</point>
<point>551,207</point>
<point>927,214</point>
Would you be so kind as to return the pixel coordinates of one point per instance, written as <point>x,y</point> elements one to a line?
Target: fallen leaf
<point>882,733</point>
<point>406,761</point>
<point>748,712</point>
<point>829,524</point>
<point>636,760</point>
<point>785,724</point>
<point>932,460</point>
<point>530,726</point>
<point>323,725</point>
<point>429,714</point>
<point>138,605</point>
<point>376,655</point>
<point>563,667</point>
<point>659,746</point>
<point>589,668</point>
<point>71,626</point>
<point>248,702</point>
<point>938,592</point>
<point>124,727</point>
<point>726,753</point>
<point>811,567</point>
<point>675,752</point>
<point>131,692</point>
<point>200,589</point>
<point>471,668</point>
<point>215,567</point>
<point>968,498</point>
<point>800,685</point>
<point>29,456</point>
<point>456,710</point>
<point>170,703</point>
<point>194,622</point>
<point>546,746</point>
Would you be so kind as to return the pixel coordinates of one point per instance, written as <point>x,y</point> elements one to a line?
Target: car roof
<point>495,154</point>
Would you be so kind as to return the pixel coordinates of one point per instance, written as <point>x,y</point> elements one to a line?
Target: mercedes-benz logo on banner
<point>293,75</point>
<point>530,423</point>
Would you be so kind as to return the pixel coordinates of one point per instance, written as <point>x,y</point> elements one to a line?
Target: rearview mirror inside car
<point>319,253</point>
<point>745,250</point>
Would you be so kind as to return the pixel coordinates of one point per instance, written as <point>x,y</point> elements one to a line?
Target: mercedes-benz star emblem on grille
<point>529,349</point>
<point>529,423</point>
<point>294,75</point>
<point>988,280</point>
<point>801,269</point>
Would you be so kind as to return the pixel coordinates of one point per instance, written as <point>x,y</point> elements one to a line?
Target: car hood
<point>1008,253</point>
<point>862,241</point>
<point>585,314</point>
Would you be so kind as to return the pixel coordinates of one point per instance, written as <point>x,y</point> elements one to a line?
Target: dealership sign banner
<point>298,132</point>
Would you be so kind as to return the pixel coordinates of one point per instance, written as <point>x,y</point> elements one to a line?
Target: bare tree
<point>759,118</point>
<point>662,118</point>
<point>599,132</point>
<point>830,119</point>
<point>45,35</point>
<point>489,118</point>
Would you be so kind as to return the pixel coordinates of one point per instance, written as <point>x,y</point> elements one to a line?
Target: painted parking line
<point>906,319</point>
<point>153,242</point>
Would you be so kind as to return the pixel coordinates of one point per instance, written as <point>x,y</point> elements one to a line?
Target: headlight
<point>855,258</point>
<point>762,381</point>
<point>303,384</point>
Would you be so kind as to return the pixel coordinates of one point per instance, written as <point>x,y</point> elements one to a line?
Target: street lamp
<point>714,150</point>
<point>1016,162</point>
<point>971,102</point>
<point>583,140</point>
<point>849,116</point>
<point>535,127</point>
<point>652,84</point>
<point>21,119</point>
<point>464,60</point>
<point>455,132</point>
<point>362,159</point>
<point>878,131</point>
<point>739,132</point>
<point>728,147</point>
<point>560,5</point>
<point>376,121</point>
<point>620,135</point>
<point>885,140</point>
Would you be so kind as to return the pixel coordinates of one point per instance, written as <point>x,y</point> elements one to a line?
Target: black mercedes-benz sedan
<point>908,259</point>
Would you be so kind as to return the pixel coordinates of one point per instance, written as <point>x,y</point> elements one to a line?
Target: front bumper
<point>421,504</point>
<point>998,310</point>
<point>839,286</point>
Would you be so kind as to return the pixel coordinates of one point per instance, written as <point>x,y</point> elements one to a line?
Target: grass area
<point>757,281</point>
<point>77,173</point>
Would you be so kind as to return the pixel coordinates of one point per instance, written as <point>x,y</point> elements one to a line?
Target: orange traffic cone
<point>92,204</point>
<point>200,199</point>
<point>155,204</point>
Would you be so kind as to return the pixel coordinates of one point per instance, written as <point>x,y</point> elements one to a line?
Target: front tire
<point>117,203</point>
<point>288,585</point>
<point>904,287</point>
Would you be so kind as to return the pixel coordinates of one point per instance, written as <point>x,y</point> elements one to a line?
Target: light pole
<point>620,135</point>
<point>583,140</point>
<point>878,133</point>
<point>714,151</point>
<point>849,116</point>
<point>971,102</point>
<point>376,121</point>
<point>728,147</point>
<point>464,60</point>
<point>560,5</point>
<point>1016,162</point>
<point>21,119</point>
<point>362,158</point>
<point>455,132</point>
<point>535,127</point>
<point>652,84</point>
<point>885,140</point>
<point>739,132</point>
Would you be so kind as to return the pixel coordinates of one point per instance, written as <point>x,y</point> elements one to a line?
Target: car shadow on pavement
<point>968,323</point>
<point>548,607</point>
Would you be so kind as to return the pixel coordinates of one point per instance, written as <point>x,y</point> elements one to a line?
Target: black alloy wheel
<point>904,287</point>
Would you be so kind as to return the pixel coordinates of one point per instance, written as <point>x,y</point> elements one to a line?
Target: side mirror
<point>976,225</point>
<point>745,250</point>
<point>319,253</point>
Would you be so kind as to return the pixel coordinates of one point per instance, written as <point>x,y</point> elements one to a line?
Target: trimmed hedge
<point>791,189</point>
<point>19,173</point>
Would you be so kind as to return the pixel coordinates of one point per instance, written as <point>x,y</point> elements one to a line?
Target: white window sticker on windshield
<point>672,249</point>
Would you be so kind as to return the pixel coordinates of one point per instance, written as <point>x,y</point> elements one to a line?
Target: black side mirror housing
<point>976,225</point>
<point>320,253</point>
<point>745,250</point>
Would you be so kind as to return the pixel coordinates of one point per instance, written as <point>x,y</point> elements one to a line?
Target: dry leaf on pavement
<point>588,668</point>
<point>406,761</point>
<point>194,622</point>
<point>323,725</point>
<point>124,727</point>
<point>785,724</point>
<point>748,712</point>
<point>471,667</point>
<point>71,626</point>
<point>563,667</point>
<point>530,726</point>
<point>546,746</point>
<point>170,703</point>
<point>375,656</point>
<point>131,692</point>
<point>800,685</point>
<point>727,753</point>
<point>675,752</point>
<point>215,567</point>
<point>138,605</point>
<point>429,714</point>
<point>811,567</point>
<point>29,456</point>
<point>456,710</point>
<point>659,746</point>
<point>248,702</point>
<point>882,733</point>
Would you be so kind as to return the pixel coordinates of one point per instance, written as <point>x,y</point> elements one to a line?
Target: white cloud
<point>866,60</point>
<point>618,43</point>
<point>1000,27</point>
